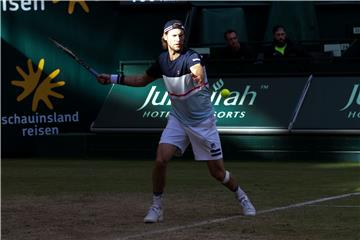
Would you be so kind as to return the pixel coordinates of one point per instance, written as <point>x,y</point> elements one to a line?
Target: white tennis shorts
<point>204,138</point>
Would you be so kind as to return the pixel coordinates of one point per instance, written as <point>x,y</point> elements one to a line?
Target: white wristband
<point>114,78</point>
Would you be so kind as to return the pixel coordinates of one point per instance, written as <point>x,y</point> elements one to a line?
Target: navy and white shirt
<point>190,101</point>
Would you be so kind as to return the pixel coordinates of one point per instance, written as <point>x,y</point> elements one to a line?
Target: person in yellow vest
<point>283,48</point>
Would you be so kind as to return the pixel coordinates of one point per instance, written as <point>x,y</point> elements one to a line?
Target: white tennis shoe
<point>247,206</point>
<point>154,215</point>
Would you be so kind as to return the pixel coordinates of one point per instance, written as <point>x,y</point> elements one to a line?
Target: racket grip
<point>93,72</point>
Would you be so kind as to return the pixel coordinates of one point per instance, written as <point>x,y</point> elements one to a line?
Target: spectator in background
<point>236,50</point>
<point>283,48</point>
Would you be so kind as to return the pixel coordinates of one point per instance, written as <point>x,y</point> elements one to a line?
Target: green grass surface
<point>107,199</point>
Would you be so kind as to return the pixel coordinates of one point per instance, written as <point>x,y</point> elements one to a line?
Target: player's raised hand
<point>197,73</point>
<point>103,78</point>
<point>197,79</point>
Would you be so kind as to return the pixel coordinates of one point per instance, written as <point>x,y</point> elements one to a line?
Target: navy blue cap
<point>173,24</point>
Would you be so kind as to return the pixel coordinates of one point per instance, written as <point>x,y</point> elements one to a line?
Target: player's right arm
<point>138,81</point>
<point>152,73</point>
<point>134,81</point>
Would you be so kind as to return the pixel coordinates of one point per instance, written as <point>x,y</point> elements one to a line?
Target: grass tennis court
<point>107,199</point>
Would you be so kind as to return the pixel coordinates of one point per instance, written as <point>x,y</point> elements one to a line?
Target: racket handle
<point>93,72</point>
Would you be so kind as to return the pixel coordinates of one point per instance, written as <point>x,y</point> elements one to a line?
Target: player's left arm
<point>197,72</point>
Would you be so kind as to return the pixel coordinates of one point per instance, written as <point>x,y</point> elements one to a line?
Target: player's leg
<point>164,154</point>
<point>173,142</point>
<point>217,170</point>
<point>206,146</point>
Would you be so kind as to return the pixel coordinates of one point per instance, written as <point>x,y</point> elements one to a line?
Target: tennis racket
<point>78,60</point>
<point>300,102</point>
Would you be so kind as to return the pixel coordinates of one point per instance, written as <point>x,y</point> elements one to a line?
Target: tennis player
<point>191,118</point>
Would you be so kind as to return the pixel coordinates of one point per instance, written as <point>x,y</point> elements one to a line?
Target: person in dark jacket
<point>236,50</point>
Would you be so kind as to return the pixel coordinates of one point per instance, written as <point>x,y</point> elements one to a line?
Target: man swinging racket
<point>191,118</point>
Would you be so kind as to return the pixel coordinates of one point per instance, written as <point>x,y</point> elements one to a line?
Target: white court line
<point>217,220</point>
<point>335,206</point>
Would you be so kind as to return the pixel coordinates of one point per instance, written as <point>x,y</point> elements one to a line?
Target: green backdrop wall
<point>107,33</point>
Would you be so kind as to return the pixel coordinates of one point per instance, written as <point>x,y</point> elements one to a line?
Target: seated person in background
<point>236,50</point>
<point>283,48</point>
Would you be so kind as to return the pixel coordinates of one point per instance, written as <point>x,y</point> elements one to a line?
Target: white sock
<point>239,193</point>
<point>157,200</point>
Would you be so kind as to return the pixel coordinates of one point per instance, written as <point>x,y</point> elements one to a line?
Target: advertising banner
<point>43,90</point>
<point>332,103</point>
<point>254,103</point>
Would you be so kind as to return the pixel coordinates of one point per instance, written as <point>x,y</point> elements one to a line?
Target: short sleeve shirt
<point>191,102</point>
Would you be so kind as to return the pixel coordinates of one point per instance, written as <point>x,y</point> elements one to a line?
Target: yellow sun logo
<point>72,5</point>
<point>31,84</point>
